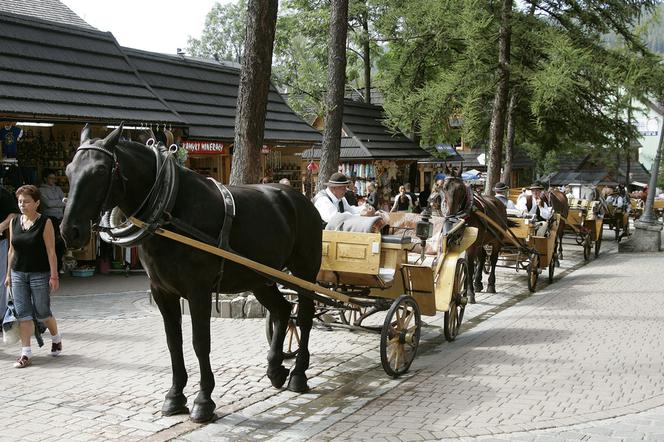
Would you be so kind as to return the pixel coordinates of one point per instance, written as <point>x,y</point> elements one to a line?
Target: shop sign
<point>203,147</point>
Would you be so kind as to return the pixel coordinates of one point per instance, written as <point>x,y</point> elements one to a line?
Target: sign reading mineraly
<point>203,147</point>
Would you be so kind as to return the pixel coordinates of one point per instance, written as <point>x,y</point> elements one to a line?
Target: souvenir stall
<point>30,150</point>
<point>283,162</point>
<point>209,158</point>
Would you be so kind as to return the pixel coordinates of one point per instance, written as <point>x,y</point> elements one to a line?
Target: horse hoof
<point>471,299</point>
<point>479,287</point>
<point>491,289</point>
<point>203,411</point>
<point>174,405</point>
<point>278,377</point>
<point>298,383</point>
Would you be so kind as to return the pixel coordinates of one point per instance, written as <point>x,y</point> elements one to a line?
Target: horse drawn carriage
<point>585,221</point>
<point>524,250</point>
<point>617,218</point>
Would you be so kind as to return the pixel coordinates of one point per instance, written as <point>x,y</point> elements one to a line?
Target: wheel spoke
<point>406,322</point>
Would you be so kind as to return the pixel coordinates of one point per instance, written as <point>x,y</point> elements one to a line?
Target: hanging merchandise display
<point>9,136</point>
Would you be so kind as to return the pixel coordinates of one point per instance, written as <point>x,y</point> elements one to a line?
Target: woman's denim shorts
<point>28,289</point>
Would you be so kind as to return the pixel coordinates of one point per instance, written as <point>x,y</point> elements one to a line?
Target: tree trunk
<point>336,81</point>
<point>628,167</point>
<point>366,50</point>
<point>511,133</point>
<point>253,91</point>
<point>497,132</point>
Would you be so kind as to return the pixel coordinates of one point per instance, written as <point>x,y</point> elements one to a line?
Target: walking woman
<point>32,271</point>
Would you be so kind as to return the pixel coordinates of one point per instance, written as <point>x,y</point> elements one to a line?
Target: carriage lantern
<point>424,228</point>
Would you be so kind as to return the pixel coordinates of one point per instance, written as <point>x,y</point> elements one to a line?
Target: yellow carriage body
<point>386,267</point>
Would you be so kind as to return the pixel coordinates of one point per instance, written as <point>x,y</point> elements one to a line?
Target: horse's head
<point>454,195</point>
<point>90,175</point>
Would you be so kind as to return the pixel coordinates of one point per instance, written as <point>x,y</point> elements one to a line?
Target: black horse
<point>273,224</point>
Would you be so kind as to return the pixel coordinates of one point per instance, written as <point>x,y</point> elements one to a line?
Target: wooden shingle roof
<point>51,10</point>
<point>65,72</point>
<point>367,138</point>
<point>204,93</point>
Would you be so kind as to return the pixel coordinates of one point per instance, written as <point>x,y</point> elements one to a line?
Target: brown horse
<point>558,201</point>
<point>459,202</point>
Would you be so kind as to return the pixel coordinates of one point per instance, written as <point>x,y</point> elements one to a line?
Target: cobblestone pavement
<point>578,360</point>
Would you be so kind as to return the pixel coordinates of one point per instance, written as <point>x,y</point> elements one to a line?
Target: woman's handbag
<point>10,329</point>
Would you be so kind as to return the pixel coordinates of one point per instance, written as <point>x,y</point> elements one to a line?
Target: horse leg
<point>470,290</point>
<point>169,306</point>
<point>479,269</point>
<point>493,260</point>
<point>272,299</point>
<point>200,308</point>
<point>305,314</point>
<point>558,256</point>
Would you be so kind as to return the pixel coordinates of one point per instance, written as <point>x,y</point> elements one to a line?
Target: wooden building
<point>372,152</point>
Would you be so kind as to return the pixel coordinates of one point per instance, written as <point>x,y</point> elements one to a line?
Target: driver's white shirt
<point>615,200</point>
<point>328,208</point>
<point>545,211</point>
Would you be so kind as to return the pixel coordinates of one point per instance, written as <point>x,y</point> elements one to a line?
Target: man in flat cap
<point>534,206</point>
<point>332,200</point>
<point>500,189</point>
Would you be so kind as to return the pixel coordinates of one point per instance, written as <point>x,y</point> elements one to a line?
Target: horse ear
<point>85,134</point>
<point>112,139</point>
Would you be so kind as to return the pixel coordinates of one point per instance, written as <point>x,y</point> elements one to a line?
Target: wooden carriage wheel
<point>400,336</point>
<point>454,315</point>
<point>533,271</point>
<point>292,340</point>
<point>350,316</point>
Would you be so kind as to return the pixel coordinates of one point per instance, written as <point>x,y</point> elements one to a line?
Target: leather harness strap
<point>224,234</point>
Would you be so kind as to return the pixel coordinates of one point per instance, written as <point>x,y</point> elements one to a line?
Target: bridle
<point>464,208</point>
<point>155,207</point>
<point>115,171</point>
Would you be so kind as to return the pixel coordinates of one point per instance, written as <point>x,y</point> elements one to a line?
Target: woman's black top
<point>29,247</point>
<point>404,203</point>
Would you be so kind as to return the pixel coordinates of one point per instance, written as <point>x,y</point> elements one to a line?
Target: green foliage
<point>224,33</point>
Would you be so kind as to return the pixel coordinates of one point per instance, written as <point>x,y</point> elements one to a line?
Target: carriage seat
<point>361,259</point>
<point>404,223</point>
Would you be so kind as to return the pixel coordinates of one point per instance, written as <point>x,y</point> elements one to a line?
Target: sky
<point>151,25</point>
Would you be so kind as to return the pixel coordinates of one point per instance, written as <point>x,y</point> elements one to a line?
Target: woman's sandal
<point>22,362</point>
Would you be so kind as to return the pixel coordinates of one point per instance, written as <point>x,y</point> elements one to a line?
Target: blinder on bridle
<point>115,171</point>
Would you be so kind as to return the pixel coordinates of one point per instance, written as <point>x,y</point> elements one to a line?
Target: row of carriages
<point>387,282</point>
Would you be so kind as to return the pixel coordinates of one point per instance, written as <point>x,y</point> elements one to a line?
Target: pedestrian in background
<point>53,207</point>
<point>8,210</point>
<point>285,181</point>
<point>413,199</point>
<point>350,194</point>
<point>372,196</point>
<point>402,202</point>
<point>32,271</point>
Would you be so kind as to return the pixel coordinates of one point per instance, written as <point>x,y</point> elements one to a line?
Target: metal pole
<point>647,217</point>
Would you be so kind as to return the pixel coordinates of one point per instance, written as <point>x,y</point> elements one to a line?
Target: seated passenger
<point>534,206</point>
<point>615,199</point>
<point>331,200</point>
<point>499,189</point>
